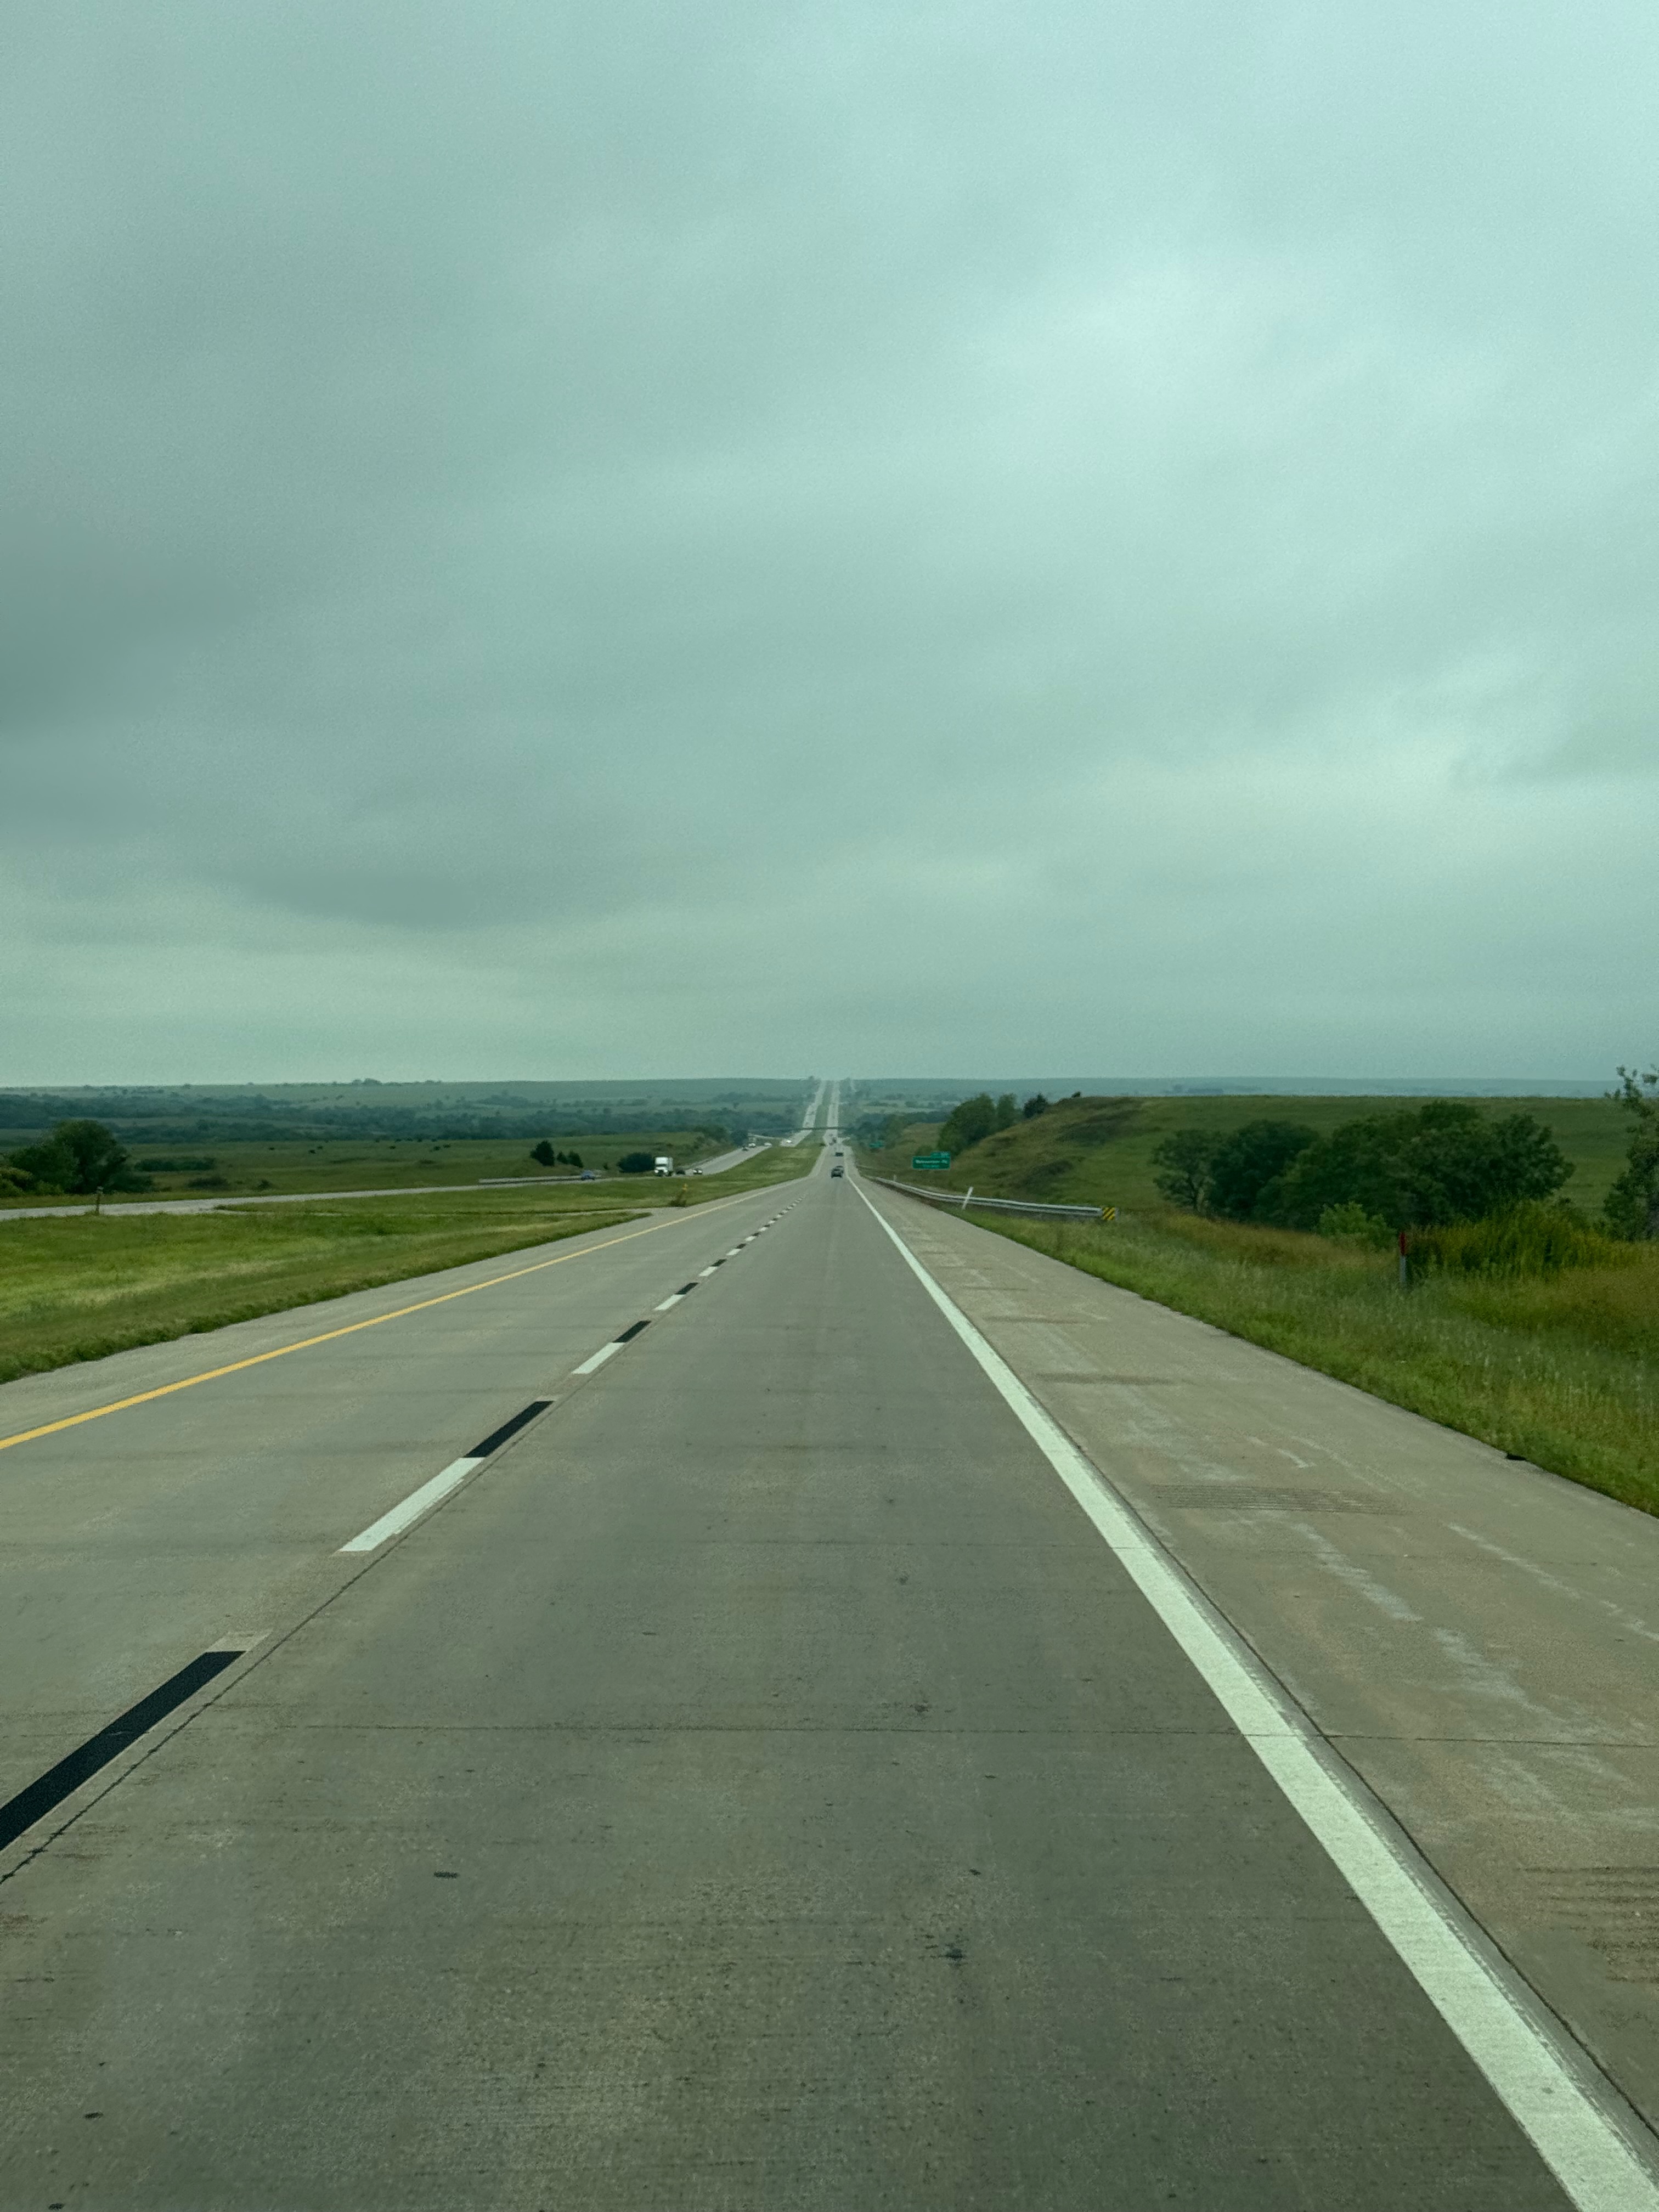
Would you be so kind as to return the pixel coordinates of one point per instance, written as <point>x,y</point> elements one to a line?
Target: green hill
<point>1097,1151</point>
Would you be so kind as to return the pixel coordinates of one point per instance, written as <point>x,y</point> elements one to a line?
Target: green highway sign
<point>930,1160</point>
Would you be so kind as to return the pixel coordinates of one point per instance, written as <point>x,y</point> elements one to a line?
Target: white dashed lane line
<point>431,1492</point>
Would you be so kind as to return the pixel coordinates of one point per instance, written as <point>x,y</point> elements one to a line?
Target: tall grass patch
<point>1526,1240</point>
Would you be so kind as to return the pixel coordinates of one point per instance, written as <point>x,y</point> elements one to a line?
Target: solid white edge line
<point>412,1507</point>
<point>597,1358</point>
<point>1599,2168</point>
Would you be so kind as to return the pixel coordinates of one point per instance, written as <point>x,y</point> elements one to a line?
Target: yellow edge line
<point>258,1359</point>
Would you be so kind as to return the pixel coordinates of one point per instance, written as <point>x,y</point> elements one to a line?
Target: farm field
<point>85,1285</point>
<point>237,1167</point>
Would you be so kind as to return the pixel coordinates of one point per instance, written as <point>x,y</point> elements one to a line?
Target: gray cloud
<point>565,541</point>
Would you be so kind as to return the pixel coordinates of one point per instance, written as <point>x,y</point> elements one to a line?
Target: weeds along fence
<point>965,1198</point>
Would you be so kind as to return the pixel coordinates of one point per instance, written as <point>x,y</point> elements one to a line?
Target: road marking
<point>391,1524</point>
<point>596,1359</point>
<point>328,1336</point>
<point>497,1437</point>
<point>49,1789</point>
<point>1596,2164</point>
<point>672,1299</point>
<point>707,1272</point>
<point>417,1501</point>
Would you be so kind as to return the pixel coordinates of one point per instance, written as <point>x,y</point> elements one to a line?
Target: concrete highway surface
<point>675,1718</point>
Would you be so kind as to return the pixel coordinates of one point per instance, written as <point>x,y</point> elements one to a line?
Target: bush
<point>1352,1224</point>
<point>1524,1240</point>
<point>545,1153</point>
<point>636,1163</point>
<point>1036,1105</point>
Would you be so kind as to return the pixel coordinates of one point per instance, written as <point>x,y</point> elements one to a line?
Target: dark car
<point>835,1171</point>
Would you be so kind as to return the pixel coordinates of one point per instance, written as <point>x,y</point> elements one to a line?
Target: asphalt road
<point>755,1784</point>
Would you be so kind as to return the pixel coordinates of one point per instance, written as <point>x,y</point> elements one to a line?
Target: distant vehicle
<point>835,1171</point>
<point>664,1165</point>
<point>587,1175</point>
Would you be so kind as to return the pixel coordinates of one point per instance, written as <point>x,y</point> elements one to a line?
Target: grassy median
<point>1562,1370</point>
<point>82,1286</point>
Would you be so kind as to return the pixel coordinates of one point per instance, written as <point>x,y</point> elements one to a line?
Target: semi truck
<point>664,1165</point>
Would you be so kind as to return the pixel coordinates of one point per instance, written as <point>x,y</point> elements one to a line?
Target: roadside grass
<point>1562,1370</point>
<point>1097,1151</point>
<point>233,1167</point>
<point>83,1285</point>
<point>78,1288</point>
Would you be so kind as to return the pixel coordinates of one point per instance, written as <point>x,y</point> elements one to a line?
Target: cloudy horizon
<point>555,546</point>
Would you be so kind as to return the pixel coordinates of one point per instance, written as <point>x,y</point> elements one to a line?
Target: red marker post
<point>1405,1278</point>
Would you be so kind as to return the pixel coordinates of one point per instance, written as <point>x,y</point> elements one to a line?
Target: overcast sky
<point>559,542</point>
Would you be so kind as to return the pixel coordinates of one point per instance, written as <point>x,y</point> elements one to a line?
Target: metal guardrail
<point>965,1198</point>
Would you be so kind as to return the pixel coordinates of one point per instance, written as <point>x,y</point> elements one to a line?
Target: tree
<point>1427,1168</point>
<point>1007,1110</point>
<point>573,1160</point>
<point>1182,1162</point>
<point>974,1118</point>
<point>1631,1208</point>
<point>545,1153</point>
<point>1240,1166</point>
<point>79,1156</point>
<point>636,1163</point>
<point>1036,1105</point>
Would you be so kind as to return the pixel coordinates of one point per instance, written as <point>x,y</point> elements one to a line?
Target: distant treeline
<point>255,1117</point>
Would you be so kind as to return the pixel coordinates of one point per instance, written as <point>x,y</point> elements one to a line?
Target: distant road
<point>810,1121</point>
<point>403,1190</point>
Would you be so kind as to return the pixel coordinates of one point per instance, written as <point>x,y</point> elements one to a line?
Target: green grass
<point>82,1286</point>
<point>1097,1151</point>
<point>381,1163</point>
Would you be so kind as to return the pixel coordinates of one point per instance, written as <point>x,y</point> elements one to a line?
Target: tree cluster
<point>1426,1167</point>
<point>79,1159</point>
<point>975,1119</point>
<point>548,1158</point>
<point>1633,1205</point>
